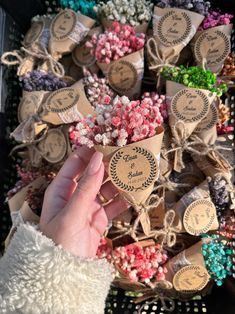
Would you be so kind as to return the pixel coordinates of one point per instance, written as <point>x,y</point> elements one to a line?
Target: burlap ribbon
<point>21,55</point>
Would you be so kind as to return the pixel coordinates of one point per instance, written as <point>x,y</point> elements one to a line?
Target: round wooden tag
<point>82,56</point>
<point>213,45</point>
<point>33,33</point>
<point>54,146</point>
<point>191,278</point>
<point>190,105</point>
<point>122,76</point>
<point>173,28</point>
<point>28,106</point>
<point>199,217</point>
<point>62,100</point>
<point>133,169</point>
<point>63,24</point>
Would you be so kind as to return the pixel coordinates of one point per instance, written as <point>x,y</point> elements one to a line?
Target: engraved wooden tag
<point>190,105</point>
<point>62,100</point>
<point>199,216</point>
<point>133,169</point>
<point>173,28</point>
<point>212,45</point>
<point>191,278</point>
<point>63,24</point>
<point>54,146</point>
<point>209,121</point>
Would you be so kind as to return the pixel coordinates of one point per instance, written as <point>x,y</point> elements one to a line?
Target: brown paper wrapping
<point>66,44</point>
<point>81,108</point>
<point>211,47</point>
<point>185,28</point>
<point>141,28</point>
<point>197,193</point>
<point>153,144</point>
<point>213,163</point>
<point>29,104</point>
<point>191,256</point>
<point>125,75</point>
<point>34,41</point>
<point>181,128</point>
<point>207,128</point>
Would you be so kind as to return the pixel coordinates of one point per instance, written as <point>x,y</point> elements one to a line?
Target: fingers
<point>99,220</point>
<point>116,207</point>
<point>65,183</point>
<point>108,190</point>
<point>87,188</point>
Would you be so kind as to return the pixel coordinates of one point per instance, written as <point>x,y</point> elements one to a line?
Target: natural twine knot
<point>168,232</point>
<point>166,184</point>
<point>156,60</point>
<point>20,58</point>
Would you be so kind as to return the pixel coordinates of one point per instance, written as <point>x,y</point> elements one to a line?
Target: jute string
<point>21,55</point>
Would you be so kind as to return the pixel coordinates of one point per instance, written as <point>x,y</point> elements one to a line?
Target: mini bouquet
<point>211,44</point>
<point>120,55</point>
<point>196,212</point>
<point>173,29</point>
<point>209,259</point>
<point>62,106</point>
<point>129,134</point>
<point>68,28</point>
<point>84,7</point>
<point>138,265</point>
<point>190,94</point>
<point>36,85</point>
<point>229,66</point>
<point>136,13</point>
<point>34,49</point>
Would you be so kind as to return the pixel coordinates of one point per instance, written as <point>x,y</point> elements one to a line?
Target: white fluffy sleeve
<point>38,277</point>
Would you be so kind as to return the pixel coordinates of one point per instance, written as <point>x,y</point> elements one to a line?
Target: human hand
<point>72,215</point>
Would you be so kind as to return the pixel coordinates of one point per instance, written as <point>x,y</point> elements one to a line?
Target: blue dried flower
<point>83,6</point>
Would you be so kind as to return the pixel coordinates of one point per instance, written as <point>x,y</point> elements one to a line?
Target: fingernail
<point>95,163</point>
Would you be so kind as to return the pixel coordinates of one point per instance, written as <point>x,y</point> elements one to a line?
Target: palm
<point>72,216</point>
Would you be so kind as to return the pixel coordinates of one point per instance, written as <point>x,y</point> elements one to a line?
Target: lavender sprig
<point>41,81</point>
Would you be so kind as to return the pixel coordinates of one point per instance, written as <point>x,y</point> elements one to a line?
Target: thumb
<point>89,185</point>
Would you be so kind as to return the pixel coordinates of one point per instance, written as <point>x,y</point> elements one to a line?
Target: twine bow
<point>154,53</point>
<point>167,184</point>
<point>25,132</point>
<point>142,218</point>
<point>20,58</point>
<point>168,232</point>
<point>157,293</point>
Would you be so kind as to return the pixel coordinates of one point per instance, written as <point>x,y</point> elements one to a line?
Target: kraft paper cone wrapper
<point>66,105</point>
<point>173,29</point>
<point>213,163</point>
<point>125,75</point>
<point>195,212</point>
<point>187,107</point>
<point>35,39</point>
<point>29,104</point>
<point>68,28</point>
<point>211,47</point>
<point>191,256</point>
<point>152,144</point>
<point>141,28</point>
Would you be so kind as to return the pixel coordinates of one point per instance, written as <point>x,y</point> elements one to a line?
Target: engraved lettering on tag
<point>173,28</point>
<point>133,168</point>
<point>190,105</point>
<point>62,100</point>
<point>63,24</point>
<point>212,45</point>
<point>122,76</point>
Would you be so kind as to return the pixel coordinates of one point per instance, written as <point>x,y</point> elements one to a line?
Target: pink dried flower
<point>214,19</point>
<point>116,42</point>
